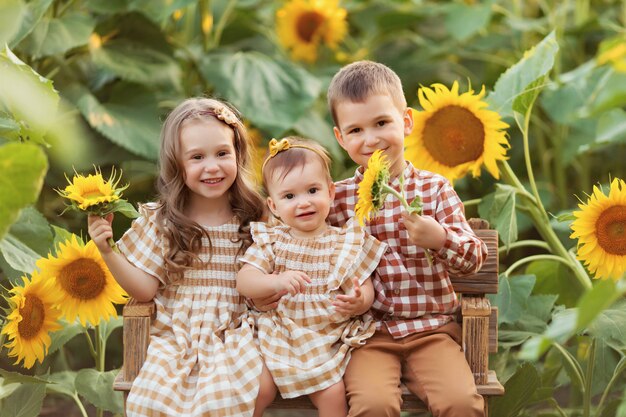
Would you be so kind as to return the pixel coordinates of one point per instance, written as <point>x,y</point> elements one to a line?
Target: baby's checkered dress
<point>202,359</point>
<point>306,345</point>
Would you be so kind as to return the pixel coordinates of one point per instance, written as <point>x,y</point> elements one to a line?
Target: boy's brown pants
<point>431,364</point>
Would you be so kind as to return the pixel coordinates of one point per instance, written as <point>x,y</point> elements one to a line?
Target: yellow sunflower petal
<point>600,227</point>
<point>83,281</point>
<point>454,135</point>
<point>33,315</point>
<point>371,194</point>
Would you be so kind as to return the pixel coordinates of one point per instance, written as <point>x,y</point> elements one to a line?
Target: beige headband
<point>276,147</point>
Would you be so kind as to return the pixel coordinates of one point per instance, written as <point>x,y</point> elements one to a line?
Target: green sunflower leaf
<point>464,20</point>
<point>272,93</point>
<point>26,401</point>
<point>129,119</point>
<point>30,99</point>
<point>517,88</point>
<point>11,14</point>
<point>97,387</point>
<point>58,35</point>
<point>125,208</point>
<point>137,62</point>
<point>23,168</point>
<point>32,15</point>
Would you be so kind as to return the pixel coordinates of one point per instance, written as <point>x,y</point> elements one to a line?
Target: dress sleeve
<point>142,245</point>
<point>359,253</point>
<point>260,253</point>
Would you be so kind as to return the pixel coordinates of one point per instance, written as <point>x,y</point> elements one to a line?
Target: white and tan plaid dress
<point>305,344</point>
<point>202,358</point>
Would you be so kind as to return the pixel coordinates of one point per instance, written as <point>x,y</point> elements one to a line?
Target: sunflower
<point>600,228</point>
<point>88,289</point>
<point>32,316</point>
<point>613,52</point>
<point>372,192</point>
<point>302,25</point>
<point>455,134</point>
<point>92,190</point>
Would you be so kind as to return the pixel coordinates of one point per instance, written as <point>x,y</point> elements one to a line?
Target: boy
<point>416,338</point>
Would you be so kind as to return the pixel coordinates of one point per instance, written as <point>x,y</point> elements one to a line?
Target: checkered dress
<point>202,359</point>
<point>411,295</point>
<point>306,345</point>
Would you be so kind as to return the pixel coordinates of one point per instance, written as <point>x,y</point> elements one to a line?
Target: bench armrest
<point>137,318</point>
<point>476,312</point>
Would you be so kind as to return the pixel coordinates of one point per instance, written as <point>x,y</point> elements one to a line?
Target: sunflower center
<point>307,25</point>
<point>611,230</point>
<point>33,314</point>
<point>83,279</point>
<point>453,135</point>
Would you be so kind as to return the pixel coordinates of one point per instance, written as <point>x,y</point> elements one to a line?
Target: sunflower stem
<point>409,210</point>
<point>532,258</point>
<point>80,405</point>
<point>540,220</point>
<point>92,350</point>
<point>99,359</point>
<point>473,202</point>
<point>527,159</point>
<point>525,243</point>
<point>589,378</point>
<point>113,245</point>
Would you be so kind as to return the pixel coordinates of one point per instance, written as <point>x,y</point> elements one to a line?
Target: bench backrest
<point>484,281</point>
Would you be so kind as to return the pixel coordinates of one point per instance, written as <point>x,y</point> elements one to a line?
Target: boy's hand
<point>100,230</point>
<point>291,281</point>
<point>424,231</point>
<point>351,304</point>
<point>268,303</point>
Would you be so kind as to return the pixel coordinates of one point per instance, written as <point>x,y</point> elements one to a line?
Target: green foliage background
<point>86,83</point>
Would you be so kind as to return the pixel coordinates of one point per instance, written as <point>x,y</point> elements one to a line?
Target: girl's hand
<point>100,230</point>
<point>292,282</point>
<point>424,231</point>
<point>351,304</point>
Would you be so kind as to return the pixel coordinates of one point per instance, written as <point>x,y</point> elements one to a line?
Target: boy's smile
<point>375,123</point>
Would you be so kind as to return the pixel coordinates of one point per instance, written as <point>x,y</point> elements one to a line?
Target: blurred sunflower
<point>600,228</point>
<point>32,316</point>
<point>613,52</point>
<point>302,25</point>
<point>92,190</point>
<point>87,287</point>
<point>455,134</point>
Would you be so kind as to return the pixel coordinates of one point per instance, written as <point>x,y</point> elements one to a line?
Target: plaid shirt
<point>412,296</point>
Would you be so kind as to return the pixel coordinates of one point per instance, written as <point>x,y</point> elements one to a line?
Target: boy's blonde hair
<point>184,236</point>
<point>297,155</point>
<point>362,79</point>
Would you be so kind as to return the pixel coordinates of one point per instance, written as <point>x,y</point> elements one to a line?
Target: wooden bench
<point>478,319</point>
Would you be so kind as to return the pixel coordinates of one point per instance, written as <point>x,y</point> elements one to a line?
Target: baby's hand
<point>424,231</point>
<point>268,303</point>
<point>292,281</point>
<point>100,230</point>
<point>350,304</point>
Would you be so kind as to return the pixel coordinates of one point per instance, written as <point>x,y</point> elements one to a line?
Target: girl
<point>306,341</point>
<point>183,252</point>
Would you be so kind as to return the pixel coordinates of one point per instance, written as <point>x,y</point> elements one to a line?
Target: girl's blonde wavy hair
<point>184,236</point>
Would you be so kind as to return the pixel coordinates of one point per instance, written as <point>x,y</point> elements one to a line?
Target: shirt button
<point>388,250</point>
<point>396,292</point>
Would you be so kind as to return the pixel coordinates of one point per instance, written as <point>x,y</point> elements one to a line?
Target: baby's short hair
<point>362,79</point>
<point>300,152</point>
